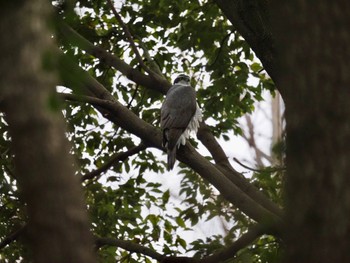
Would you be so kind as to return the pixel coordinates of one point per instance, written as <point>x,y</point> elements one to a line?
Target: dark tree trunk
<point>58,229</point>
<point>314,63</point>
<point>305,47</point>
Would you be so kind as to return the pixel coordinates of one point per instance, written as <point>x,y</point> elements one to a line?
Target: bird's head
<point>182,79</point>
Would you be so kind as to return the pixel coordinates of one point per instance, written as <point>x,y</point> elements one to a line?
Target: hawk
<point>180,114</point>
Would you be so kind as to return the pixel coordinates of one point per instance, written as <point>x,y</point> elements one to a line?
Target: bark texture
<point>58,229</point>
<point>314,49</point>
<point>305,47</point>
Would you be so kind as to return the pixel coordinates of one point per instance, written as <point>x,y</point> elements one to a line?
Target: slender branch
<point>117,157</point>
<point>88,99</point>
<point>133,247</point>
<point>231,251</point>
<point>252,143</point>
<point>129,246</point>
<point>133,96</point>
<point>152,82</point>
<point>152,63</point>
<point>228,252</point>
<point>12,237</point>
<point>259,170</point>
<point>219,49</point>
<point>173,259</point>
<point>245,166</point>
<point>130,39</point>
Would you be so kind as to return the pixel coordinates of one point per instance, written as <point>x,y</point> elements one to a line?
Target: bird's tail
<point>171,158</point>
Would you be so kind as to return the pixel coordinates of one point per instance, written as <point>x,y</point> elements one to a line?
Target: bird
<point>180,115</point>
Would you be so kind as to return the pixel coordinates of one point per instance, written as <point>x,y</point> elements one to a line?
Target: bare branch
<point>129,246</point>
<point>174,259</point>
<point>260,170</point>
<point>130,39</point>
<point>231,251</point>
<point>133,247</point>
<point>117,157</point>
<point>133,96</point>
<point>152,63</point>
<point>220,48</point>
<point>228,252</point>
<point>154,82</point>
<point>12,237</point>
<point>252,143</point>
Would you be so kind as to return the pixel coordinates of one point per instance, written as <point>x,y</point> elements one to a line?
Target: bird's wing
<point>178,107</point>
<point>176,112</point>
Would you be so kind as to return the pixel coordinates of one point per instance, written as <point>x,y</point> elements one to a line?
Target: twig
<point>120,156</point>
<point>277,169</point>
<point>153,65</point>
<point>107,104</point>
<point>245,166</point>
<point>252,143</point>
<point>222,43</point>
<point>130,39</point>
<point>240,243</point>
<point>12,237</point>
<point>129,246</point>
<point>156,83</point>
<point>133,247</point>
<point>133,96</point>
<point>87,99</point>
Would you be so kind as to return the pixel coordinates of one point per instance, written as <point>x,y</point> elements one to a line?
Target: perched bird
<point>180,114</point>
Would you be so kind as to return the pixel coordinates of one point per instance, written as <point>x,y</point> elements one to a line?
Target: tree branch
<point>129,246</point>
<point>12,237</point>
<point>117,157</point>
<point>130,39</point>
<point>154,82</point>
<point>276,169</point>
<point>252,143</point>
<point>219,49</point>
<point>226,253</point>
<point>231,251</point>
<point>152,64</point>
<point>133,247</point>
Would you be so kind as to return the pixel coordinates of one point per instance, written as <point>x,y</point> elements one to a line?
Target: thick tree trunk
<point>307,55</point>
<point>58,229</point>
<point>314,49</point>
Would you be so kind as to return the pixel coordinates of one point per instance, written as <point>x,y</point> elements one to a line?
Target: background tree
<point>57,227</point>
<point>115,62</point>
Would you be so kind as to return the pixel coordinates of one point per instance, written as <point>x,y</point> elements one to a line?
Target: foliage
<point>125,202</point>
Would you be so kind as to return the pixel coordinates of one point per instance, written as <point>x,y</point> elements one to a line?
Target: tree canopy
<point>115,62</point>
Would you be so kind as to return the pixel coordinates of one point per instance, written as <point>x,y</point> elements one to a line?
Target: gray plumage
<point>179,115</point>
